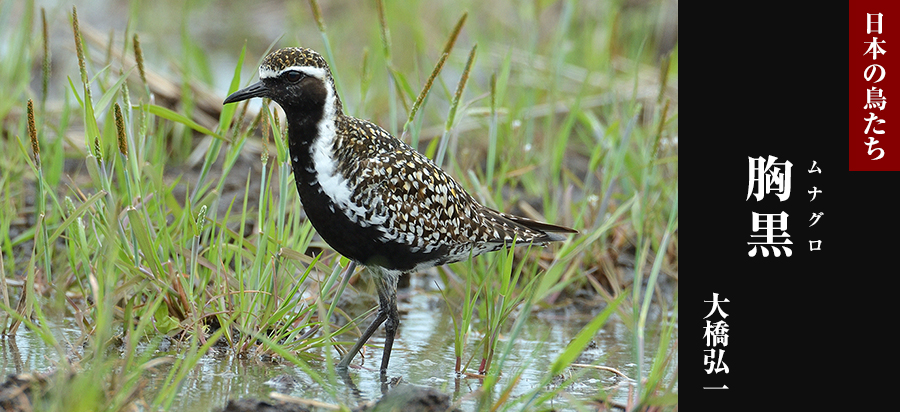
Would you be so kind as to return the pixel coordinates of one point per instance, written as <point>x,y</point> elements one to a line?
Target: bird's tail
<point>551,231</point>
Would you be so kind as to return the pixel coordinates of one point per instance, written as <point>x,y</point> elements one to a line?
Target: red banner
<point>874,79</point>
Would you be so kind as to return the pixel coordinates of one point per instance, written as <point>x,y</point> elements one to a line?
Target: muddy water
<point>423,354</point>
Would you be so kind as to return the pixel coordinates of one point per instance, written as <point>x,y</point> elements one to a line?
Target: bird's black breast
<point>363,244</point>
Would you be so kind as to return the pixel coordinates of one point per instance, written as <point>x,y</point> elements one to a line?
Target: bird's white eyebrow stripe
<point>268,73</point>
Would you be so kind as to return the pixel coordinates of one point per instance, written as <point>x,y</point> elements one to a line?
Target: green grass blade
<point>180,118</point>
<point>225,118</point>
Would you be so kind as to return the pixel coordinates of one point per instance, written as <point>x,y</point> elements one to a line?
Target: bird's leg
<point>379,319</point>
<point>386,284</point>
<point>390,330</point>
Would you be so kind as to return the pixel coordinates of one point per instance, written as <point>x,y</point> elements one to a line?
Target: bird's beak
<point>257,89</point>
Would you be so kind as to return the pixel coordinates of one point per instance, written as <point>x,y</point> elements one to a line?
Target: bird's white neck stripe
<point>330,179</point>
<point>322,149</point>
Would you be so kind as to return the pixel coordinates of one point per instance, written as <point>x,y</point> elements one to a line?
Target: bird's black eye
<point>294,76</point>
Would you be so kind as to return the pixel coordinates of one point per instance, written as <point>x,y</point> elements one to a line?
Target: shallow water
<point>423,355</point>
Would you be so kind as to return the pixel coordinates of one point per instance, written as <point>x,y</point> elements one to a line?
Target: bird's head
<point>296,78</point>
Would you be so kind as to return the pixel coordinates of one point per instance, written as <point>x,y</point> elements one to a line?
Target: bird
<point>373,198</point>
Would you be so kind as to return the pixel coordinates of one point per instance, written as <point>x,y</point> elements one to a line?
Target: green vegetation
<point>556,110</point>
